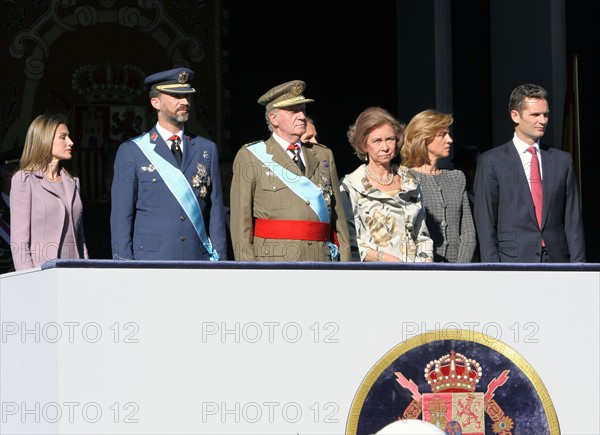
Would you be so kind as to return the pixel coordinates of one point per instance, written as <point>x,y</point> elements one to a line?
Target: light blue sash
<point>180,188</point>
<point>300,185</point>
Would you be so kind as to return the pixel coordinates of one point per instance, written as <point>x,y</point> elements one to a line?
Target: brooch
<point>201,180</point>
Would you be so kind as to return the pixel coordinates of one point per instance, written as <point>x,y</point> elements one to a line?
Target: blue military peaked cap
<point>173,81</point>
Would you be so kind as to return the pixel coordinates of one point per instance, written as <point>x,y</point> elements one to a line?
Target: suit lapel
<point>189,151</point>
<point>281,157</point>
<point>548,163</point>
<point>311,160</point>
<point>520,180</point>
<point>161,148</point>
<point>69,185</point>
<point>45,184</point>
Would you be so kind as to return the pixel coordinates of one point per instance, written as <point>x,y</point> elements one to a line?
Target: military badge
<point>153,136</point>
<point>182,77</point>
<point>201,180</point>
<point>149,168</point>
<point>325,185</point>
<point>456,393</point>
<point>297,89</point>
<point>326,163</point>
<point>205,154</point>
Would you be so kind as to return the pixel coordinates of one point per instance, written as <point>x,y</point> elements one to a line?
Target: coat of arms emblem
<point>453,405</point>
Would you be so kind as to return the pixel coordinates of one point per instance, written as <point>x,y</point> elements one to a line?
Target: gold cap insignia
<point>183,77</point>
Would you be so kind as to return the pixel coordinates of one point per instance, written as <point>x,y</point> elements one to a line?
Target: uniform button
<point>182,238</point>
<point>310,243</point>
<point>141,247</point>
<point>307,202</point>
<point>154,180</point>
<point>444,223</point>
<point>274,187</point>
<point>182,218</point>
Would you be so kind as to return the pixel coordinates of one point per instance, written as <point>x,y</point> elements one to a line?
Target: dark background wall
<point>346,56</point>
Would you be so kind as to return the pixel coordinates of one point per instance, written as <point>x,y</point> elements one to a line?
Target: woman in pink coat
<point>45,202</point>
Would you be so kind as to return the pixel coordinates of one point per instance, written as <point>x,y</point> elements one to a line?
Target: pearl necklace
<point>390,177</point>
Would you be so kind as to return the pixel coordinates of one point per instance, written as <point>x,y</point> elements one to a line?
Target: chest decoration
<point>149,168</point>
<point>324,184</point>
<point>201,180</point>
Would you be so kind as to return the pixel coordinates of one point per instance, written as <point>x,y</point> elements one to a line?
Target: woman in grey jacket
<point>448,213</point>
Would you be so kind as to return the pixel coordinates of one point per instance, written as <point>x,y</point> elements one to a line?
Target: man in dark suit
<point>526,198</point>
<point>167,201</point>
<point>285,194</point>
<point>9,164</point>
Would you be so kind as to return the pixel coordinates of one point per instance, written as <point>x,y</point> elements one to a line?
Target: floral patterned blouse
<point>391,223</point>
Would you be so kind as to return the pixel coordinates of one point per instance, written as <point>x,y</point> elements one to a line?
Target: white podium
<point>101,347</point>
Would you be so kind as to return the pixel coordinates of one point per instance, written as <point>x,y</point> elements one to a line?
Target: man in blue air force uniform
<point>167,202</point>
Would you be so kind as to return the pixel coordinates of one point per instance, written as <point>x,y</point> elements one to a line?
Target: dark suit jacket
<point>505,219</point>
<point>147,222</point>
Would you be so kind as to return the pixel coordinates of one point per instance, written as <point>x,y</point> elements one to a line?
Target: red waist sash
<point>292,230</point>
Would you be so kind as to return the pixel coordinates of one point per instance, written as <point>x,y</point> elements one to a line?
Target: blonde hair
<point>37,151</point>
<point>370,119</point>
<point>420,132</point>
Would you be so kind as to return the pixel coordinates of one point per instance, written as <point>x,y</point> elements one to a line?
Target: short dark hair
<point>521,92</point>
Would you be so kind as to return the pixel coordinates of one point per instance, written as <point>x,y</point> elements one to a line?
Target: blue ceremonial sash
<point>300,185</point>
<point>181,190</point>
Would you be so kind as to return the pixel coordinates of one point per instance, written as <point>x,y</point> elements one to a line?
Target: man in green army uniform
<point>285,195</point>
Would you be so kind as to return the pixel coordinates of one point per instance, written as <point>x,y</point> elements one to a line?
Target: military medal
<point>201,180</point>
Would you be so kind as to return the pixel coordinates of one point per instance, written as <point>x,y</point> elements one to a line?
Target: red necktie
<point>175,148</point>
<point>535,180</point>
<point>295,148</point>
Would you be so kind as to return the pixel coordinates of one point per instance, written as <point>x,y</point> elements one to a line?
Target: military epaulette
<point>252,143</point>
<point>317,144</point>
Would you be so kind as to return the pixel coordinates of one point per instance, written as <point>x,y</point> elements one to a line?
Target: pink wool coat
<point>41,217</point>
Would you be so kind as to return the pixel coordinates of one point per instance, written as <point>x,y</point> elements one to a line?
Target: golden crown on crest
<point>453,373</point>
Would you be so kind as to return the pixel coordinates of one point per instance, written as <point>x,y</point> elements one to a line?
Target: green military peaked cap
<point>284,95</point>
